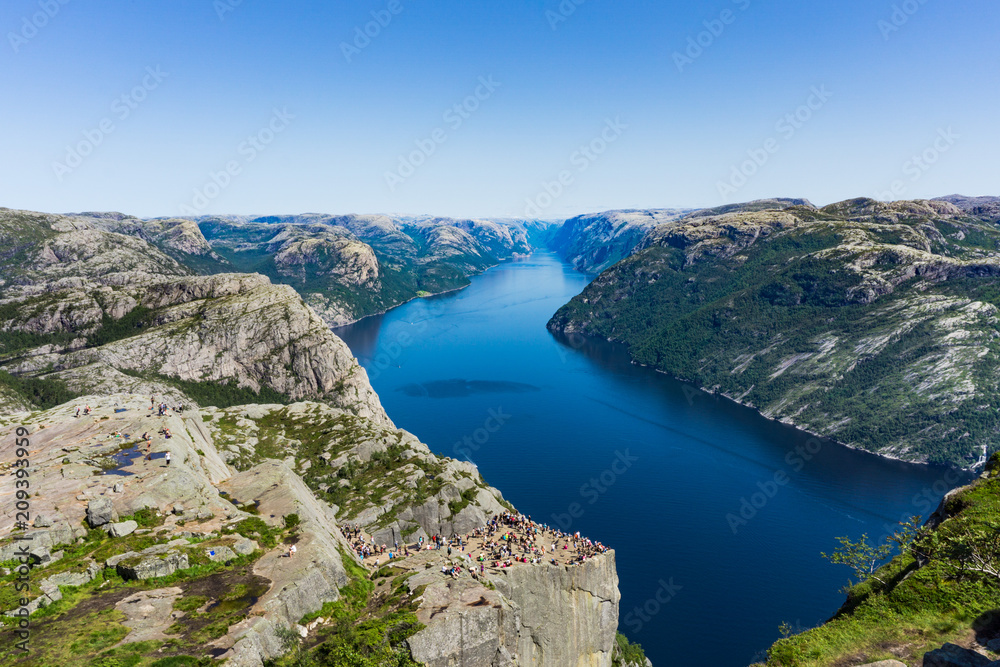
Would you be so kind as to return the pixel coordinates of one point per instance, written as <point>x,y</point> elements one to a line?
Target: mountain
<point>350,266</point>
<point>983,207</point>
<point>871,323</point>
<point>275,438</point>
<point>103,312</point>
<point>592,243</point>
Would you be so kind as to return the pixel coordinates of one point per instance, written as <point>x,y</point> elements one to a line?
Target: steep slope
<point>871,323</point>
<point>102,312</point>
<point>592,243</point>
<point>943,588</point>
<point>112,532</point>
<point>184,559</point>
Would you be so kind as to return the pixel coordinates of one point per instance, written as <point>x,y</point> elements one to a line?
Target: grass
<point>366,627</point>
<point>918,609</point>
<point>627,654</point>
<point>82,628</point>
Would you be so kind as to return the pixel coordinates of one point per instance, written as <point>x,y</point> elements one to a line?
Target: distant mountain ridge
<point>345,266</point>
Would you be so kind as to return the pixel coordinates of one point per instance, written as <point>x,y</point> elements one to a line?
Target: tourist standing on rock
<point>168,458</point>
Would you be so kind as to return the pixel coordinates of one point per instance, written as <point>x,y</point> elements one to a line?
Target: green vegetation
<point>217,394</point>
<point>317,437</point>
<point>41,392</point>
<point>111,330</point>
<point>255,528</point>
<point>782,323</point>
<point>366,627</point>
<point>82,629</point>
<point>627,654</point>
<point>943,585</point>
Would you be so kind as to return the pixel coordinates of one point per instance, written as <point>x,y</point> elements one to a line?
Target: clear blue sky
<point>561,77</point>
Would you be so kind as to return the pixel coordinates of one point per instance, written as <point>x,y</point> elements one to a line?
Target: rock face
<point>152,566</point>
<point>951,655</point>
<point>836,320</point>
<point>100,512</point>
<point>568,615</point>
<point>347,267</point>
<point>411,493</point>
<point>122,529</point>
<point>592,243</point>
<point>106,312</point>
<point>544,615</point>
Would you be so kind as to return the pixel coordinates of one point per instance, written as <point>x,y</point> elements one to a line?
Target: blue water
<point>575,435</point>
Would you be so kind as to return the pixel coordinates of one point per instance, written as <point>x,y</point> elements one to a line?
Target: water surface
<point>718,516</point>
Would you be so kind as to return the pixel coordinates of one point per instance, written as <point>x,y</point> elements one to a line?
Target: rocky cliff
<point>592,243</point>
<point>104,311</point>
<point>159,557</point>
<point>871,323</point>
<point>217,507</point>
<point>350,266</point>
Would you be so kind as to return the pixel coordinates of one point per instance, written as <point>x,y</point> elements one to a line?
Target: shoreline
<point>434,294</point>
<point>789,423</point>
<point>797,427</point>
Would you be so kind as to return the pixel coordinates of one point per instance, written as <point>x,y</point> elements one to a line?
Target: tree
<point>970,548</point>
<point>860,556</point>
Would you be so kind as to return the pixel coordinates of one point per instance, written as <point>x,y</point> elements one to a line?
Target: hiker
<point>291,551</point>
<point>168,458</point>
<point>77,411</point>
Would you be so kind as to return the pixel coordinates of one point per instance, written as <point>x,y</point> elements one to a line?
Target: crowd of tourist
<point>505,540</point>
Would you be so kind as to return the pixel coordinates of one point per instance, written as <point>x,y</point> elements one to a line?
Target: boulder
<point>245,546</point>
<point>73,578</point>
<point>42,521</point>
<point>122,529</point>
<point>114,560</point>
<point>100,511</point>
<point>221,554</point>
<point>952,655</point>
<point>40,555</point>
<point>152,566</point>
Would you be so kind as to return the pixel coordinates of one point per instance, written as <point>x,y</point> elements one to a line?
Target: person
<point>291,551</point>
<point>168,458</point>
<point>78,411</point>
<point>149,449</point>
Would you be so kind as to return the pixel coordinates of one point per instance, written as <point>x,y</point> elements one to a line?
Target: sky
<point>526,108</point>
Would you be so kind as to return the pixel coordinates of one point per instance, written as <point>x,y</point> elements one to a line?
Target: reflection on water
<point>728,508</point>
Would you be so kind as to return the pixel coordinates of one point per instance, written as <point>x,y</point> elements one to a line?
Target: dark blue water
<point>718,516</point>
